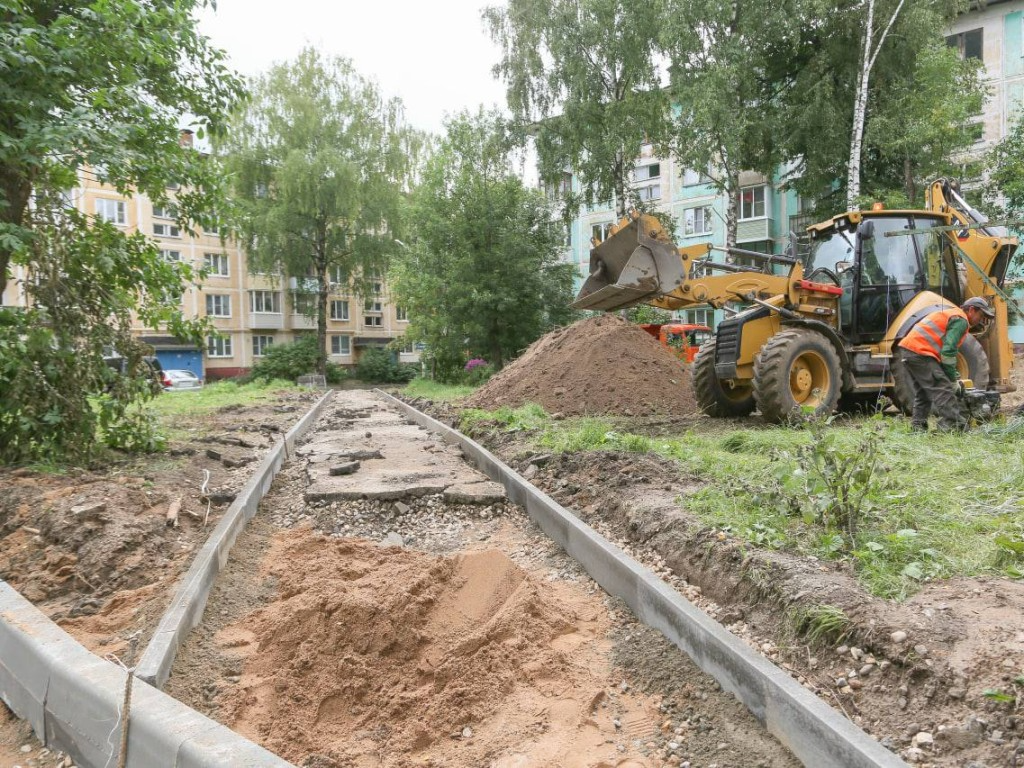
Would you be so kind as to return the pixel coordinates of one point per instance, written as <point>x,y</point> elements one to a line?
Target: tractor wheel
<point>971,362</point>
<point>797,372</point>
<point>714,398</point>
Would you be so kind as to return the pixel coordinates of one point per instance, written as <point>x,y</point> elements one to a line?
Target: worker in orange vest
<point>929,353</point>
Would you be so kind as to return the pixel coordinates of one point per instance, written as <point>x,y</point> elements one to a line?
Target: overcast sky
<point>436,57</point>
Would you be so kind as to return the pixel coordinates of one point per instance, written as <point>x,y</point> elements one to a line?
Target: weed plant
<point>435,390</point>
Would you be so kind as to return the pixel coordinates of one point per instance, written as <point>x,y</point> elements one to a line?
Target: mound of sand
<point>602,365</point>
<point>395,653</point>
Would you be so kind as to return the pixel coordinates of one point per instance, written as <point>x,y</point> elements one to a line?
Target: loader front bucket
<point>634,265</point>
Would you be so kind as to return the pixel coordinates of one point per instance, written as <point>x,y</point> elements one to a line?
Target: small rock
<point>368,434</point>
<point>530,472</point>
<point>856,653</point>
<point>393,540</point>
<point>213,454</point>
<point>856,684</point>
<point>921,650</point>
<point>346,468</point>
<point>866,670</point>
<point>842,650</point>
<point>402,508</point>
<point>92,508</point>
<point>913,755</point>
<point>922,739</point>
<point>840,682</point>
<point>26,748</point>
<point>617,723</point>
<point>467,732</point>
<point>898,636</point>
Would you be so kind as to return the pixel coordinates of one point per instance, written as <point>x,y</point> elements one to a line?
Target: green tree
<point>1006,164</point>
<point>319,159</point>
<point>101,87</point>
<point>582,78</point>
<point>483,276</point>
<point>921,100</point>
<point>726,113</point>
<point>104,84</point>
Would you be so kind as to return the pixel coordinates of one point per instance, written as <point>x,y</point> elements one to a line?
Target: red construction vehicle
<point>681,339</point>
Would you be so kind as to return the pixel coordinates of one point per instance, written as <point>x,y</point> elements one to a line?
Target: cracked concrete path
<point>363,449</point>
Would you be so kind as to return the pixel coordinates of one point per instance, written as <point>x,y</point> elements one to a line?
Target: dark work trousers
<point>933,393</point>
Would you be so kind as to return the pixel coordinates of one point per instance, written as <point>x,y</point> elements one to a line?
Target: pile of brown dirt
<point>391,657</point>
<point>602,365</point>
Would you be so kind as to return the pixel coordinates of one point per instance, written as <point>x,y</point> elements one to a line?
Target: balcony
<point>302,322</point>
<point>273,321</point>
<point>753,229</point>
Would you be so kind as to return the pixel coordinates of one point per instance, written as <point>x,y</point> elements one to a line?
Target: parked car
<point>175,380</point>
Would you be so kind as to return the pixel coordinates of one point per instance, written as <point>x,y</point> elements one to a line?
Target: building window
<point>401,314</point>
<point>373,305</point>
<point>337,276</point>
<point>409,349</point>
<point>111,210</point>
<point>692,177</point>
<point>166,230</point>
<point>165,211</point>
<point>968,44</point>
<point>218,305</point>
<point>260,345</point>
<point>216,264</point>
<point>697,221</point>
<point>304,303</point>
<point>218,346</point>
<point>700,317</point>
<point>600,232</point>
<point>651,192</point>
<point>567,240</point>
<point>339,310</point>
<point>752,203</point>
<point>647,172</point>
<point>173,256</point>
<point>267,302</point>
<point>373,321</point>
<point>341,345</point>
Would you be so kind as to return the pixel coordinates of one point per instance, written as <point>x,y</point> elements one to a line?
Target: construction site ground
<point>398,612</point>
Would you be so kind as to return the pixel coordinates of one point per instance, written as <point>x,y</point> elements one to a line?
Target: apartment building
<point>251,312</point>
<point>992,32</point>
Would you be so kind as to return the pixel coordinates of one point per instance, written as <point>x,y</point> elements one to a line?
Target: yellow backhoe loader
<point>822,335</point>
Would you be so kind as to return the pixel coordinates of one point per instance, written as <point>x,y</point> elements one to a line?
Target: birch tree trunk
<point>859,113</point>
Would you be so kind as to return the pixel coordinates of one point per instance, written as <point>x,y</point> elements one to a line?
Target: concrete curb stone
<point>189,601</point>
<point>815,733</point>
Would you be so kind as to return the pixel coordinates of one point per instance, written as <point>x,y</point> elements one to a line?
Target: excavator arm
<point>639,264</point>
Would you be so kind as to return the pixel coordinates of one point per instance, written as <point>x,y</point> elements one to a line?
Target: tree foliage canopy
<point>482,278</point>
<point>100,85</point>
<point>582,77</point>
<point>319,161</point>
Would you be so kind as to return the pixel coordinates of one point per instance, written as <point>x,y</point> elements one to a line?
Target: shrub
<point>477,371</point>
<point>289,361</point>
<point>379,365</point>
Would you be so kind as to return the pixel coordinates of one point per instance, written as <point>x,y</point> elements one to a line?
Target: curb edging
<point>72,699</point>
<point>815,733</point>
<point>186,608</point>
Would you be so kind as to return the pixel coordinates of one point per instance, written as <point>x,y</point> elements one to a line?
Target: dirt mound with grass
<point>601,366</point>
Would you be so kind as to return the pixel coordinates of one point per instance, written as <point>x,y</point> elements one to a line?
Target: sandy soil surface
<point>92,548</point>
<point>602,365</point>
<point>420,632</point>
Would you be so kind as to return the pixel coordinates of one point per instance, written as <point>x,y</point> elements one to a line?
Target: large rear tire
<point>797,373</point>
<point>714,398</point>
<point>971,362</point>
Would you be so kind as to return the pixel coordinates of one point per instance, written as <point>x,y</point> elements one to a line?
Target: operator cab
<point>880,272</point>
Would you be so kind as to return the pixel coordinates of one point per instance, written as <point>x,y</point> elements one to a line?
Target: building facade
<point>250,312</point>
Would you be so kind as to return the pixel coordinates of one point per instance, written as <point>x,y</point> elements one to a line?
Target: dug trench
<point>921,676</point>
<point>403,612</point>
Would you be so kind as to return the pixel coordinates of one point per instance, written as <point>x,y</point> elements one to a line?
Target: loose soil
<point>476,642</point>
<point>602,365</point>
<point>92,548</point>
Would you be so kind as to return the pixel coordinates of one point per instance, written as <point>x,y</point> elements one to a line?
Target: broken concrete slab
<point>346,468</point>
<point>484,492</point>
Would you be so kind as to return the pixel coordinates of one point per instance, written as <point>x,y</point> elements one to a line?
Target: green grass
<point>935,506</point>
<point>435,390</point>
<point>216,395</point>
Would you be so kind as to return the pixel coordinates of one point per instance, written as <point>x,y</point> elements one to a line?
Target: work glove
<point>960,388</point>
<point>951,372</point>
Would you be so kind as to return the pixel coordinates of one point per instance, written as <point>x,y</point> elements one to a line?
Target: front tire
<point>714,398</point>
<point>797,372</point>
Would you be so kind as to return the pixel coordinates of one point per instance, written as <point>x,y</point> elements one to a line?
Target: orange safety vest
<point>925,338</point>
